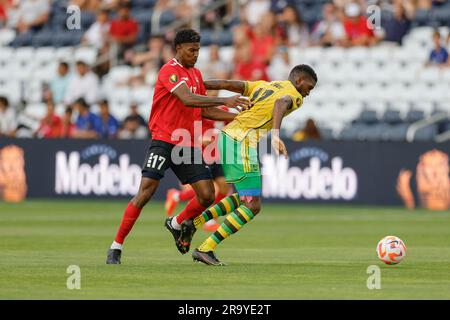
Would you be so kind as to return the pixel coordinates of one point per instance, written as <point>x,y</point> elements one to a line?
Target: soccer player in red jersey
<point>210,133</point>
<point>178,102</point>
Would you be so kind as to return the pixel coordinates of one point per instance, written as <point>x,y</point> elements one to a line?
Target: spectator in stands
<point>309,132</point>
<point>215,68</point>
<point>4,6</point>
<point>97,34</point>
<point>280,65</point>
<point>134,126</point>
<point>87,124</point>
<point>330,30</point>
<point>263,39</point>
<point>58,85</point>
<point>123,31</point>
<point>51,124</point>
<point>84,84</point>
<point>357,31</point>
<point>439,54</point>
<point>277,6</point>
<point>87,5</point>
<point>396,23</point>
<point>28,15</point>
<point>295,30</point>
<point>8,121</point>
<point>109,126</point>
<point>68,127</point>
<point>248,68</point>
<point>150,59</point>
<point>253,11</point>
<point>134,115</point>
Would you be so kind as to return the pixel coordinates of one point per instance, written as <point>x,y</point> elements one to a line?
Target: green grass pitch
<point>287,252</point>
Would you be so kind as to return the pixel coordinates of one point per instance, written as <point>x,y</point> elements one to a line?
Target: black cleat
<point>175,234</point>
<point>113,256</point>
<point>187,233</point>
<point>208,258</point>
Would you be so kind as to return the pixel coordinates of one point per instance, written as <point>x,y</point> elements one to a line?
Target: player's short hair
<point>186,36</point>
<point>303,69</point>
<point>4,101</point>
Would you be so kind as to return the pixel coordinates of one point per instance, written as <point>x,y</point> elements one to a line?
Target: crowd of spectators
<point>263,32</point>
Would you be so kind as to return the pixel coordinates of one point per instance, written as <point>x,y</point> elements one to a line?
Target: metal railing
<point>416,126</point>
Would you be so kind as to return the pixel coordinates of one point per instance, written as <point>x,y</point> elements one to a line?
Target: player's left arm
<point>217,114</point>
<point>281,106</point>
<point>230,85</point>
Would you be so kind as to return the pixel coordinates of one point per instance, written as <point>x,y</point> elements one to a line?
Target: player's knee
<point>254,204</point>
<point>206,198</point>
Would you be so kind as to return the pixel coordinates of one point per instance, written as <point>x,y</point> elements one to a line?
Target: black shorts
<point>159,159</point>
<point>216,170</point>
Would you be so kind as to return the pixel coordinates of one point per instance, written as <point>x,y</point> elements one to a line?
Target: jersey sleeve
<point>297,101</point>
<point>170,78</point>
<point>250,86</point>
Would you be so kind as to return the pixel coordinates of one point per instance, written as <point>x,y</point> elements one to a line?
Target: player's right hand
<point>238,102</point>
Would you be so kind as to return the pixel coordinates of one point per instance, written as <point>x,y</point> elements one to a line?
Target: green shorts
<point>240,165</point>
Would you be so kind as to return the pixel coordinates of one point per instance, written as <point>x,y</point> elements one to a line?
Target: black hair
<point>82,102</point>
<point>4,101</point>
<point>186,36</point>
<point>65,64</point>
<point>303,69</point>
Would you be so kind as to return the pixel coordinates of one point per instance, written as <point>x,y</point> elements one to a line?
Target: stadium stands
<point>363,93</point>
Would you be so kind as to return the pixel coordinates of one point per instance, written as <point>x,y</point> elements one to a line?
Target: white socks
<point>116,245</point>
<point>175,224</point>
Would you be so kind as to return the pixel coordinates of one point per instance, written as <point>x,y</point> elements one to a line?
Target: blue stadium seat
<point>426,133</point>
<point>391,117</point>
<point>414,116</point>
<point>143,3</point>
<point>395,132</point>
<point>367,117</point>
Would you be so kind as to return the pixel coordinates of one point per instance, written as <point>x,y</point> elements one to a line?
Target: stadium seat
<point>120,96</point>
<point>45,55</point>
<point>65,54</point>
<point>426,133</point>
<point>86,54</point>
<point>414,115</point>
<point>36,110</point>
<point>334,55</point>
<point>6,54</point>
<point>142,95</point>
<point>391,117</point>
<point>367,117</point>
<point>120,74</point>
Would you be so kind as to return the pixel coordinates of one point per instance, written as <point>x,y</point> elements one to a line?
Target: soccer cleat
<point>211,226</point>
<point>171,202</point>
<point>175,233</point>
<point>208,258</point>
<point>187,232</point>
<point>113,256</point>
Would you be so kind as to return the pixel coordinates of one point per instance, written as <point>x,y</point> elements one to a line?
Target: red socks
<point>219,197</point>
<point>129,218</point>
<point>192,209</point>
<point>187,194</point>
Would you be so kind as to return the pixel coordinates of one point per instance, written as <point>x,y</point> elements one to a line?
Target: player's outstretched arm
<point>281,106</point>
<point>194,100</point>
<point>217,114</point>
<point>230,85</point>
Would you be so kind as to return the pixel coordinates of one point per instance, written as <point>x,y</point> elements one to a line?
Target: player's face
<point>305,85</point>
<point>188,53</point>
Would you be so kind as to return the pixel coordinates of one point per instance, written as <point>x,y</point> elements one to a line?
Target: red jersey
<point>122,28</point>
<point>168,112</point>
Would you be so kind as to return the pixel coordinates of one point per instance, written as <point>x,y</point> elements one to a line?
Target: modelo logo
<point>313,182</point>
<point>102,178</point>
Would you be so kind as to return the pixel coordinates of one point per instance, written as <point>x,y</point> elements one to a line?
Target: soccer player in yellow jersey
<point>271,102</point>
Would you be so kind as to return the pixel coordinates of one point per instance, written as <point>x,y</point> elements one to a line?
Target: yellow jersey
<point>254,123</point>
